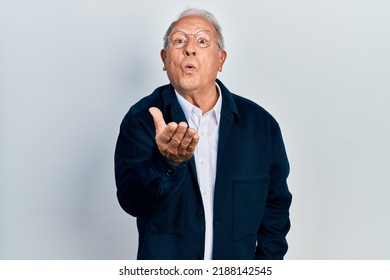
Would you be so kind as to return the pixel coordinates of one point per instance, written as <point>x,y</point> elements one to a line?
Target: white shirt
<point>207,127</point>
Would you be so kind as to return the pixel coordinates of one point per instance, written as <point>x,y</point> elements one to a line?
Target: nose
<point>189,48</point>
<point>189,53</point>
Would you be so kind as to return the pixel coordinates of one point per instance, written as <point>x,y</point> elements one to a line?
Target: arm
<point>146,180</point>
<point>271,237</point>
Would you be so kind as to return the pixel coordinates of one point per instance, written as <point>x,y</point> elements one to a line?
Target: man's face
<point>192,69</point>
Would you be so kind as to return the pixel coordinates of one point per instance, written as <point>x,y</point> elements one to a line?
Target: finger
<point>158,119</point>
<point>165,136</point>
<point>178,135</point>
<point>192,146</point>
<point>185,142</point>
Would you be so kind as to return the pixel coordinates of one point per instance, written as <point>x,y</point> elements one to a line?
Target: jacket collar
<point>229,107</point>
<point>172,110</point>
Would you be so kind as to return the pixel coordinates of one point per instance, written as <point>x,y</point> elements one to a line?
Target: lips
<point>189,68</point>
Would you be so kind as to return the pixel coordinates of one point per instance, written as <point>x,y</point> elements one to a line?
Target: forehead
<point>193,23</point>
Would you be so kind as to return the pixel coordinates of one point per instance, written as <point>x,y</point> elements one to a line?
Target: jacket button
<point>199,214</point>
<point>201,258</point>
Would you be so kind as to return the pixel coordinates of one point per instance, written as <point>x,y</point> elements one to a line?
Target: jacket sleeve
<point>145,180</point>
<point>271,238</point>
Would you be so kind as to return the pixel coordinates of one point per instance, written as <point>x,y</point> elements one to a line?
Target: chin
<point>189,84</point>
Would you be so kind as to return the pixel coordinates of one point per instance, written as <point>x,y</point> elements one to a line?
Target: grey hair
<point>201,13</point>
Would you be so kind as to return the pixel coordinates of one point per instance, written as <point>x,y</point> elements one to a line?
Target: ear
<point>163,55</point>
<point>222,59</point>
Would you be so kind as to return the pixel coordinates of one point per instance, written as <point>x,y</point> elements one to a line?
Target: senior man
<point>202,169</point>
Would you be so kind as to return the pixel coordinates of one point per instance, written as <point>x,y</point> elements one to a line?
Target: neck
<point>203,99</point>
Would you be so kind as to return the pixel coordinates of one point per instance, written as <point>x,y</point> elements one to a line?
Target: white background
<point>69,71</point>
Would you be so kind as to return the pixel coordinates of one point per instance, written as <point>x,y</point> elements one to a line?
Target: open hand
<point>177,142</point>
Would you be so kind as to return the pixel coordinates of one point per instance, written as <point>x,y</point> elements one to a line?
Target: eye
<point>179,41</point>
<point>202,41</point>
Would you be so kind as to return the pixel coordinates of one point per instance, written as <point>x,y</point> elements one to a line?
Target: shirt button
<point>169,172</point>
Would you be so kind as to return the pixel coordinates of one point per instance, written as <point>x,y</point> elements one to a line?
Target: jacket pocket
<point>249,197</point>
<point>169,220</point>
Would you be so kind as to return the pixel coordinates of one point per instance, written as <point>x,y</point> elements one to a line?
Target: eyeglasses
<point>202,39</point>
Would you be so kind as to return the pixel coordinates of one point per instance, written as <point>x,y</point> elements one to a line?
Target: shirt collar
<point>188,107</point>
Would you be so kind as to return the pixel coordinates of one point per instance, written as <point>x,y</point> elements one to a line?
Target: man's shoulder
<point>251,113</point>
<point>154,99</point>
<point>140,109</point>
<point>242,104</point>
<point>248,108</point>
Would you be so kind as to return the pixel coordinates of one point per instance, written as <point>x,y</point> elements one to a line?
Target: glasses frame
<point>194,35</point>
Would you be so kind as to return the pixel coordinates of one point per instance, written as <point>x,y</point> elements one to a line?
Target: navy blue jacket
<point>251,200</point>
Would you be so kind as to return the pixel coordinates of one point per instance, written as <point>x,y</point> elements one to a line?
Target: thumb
<point>158,119</point>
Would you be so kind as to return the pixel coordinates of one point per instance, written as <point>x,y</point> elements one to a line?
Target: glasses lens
<point>204,39</point>
<point>178,39</point>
